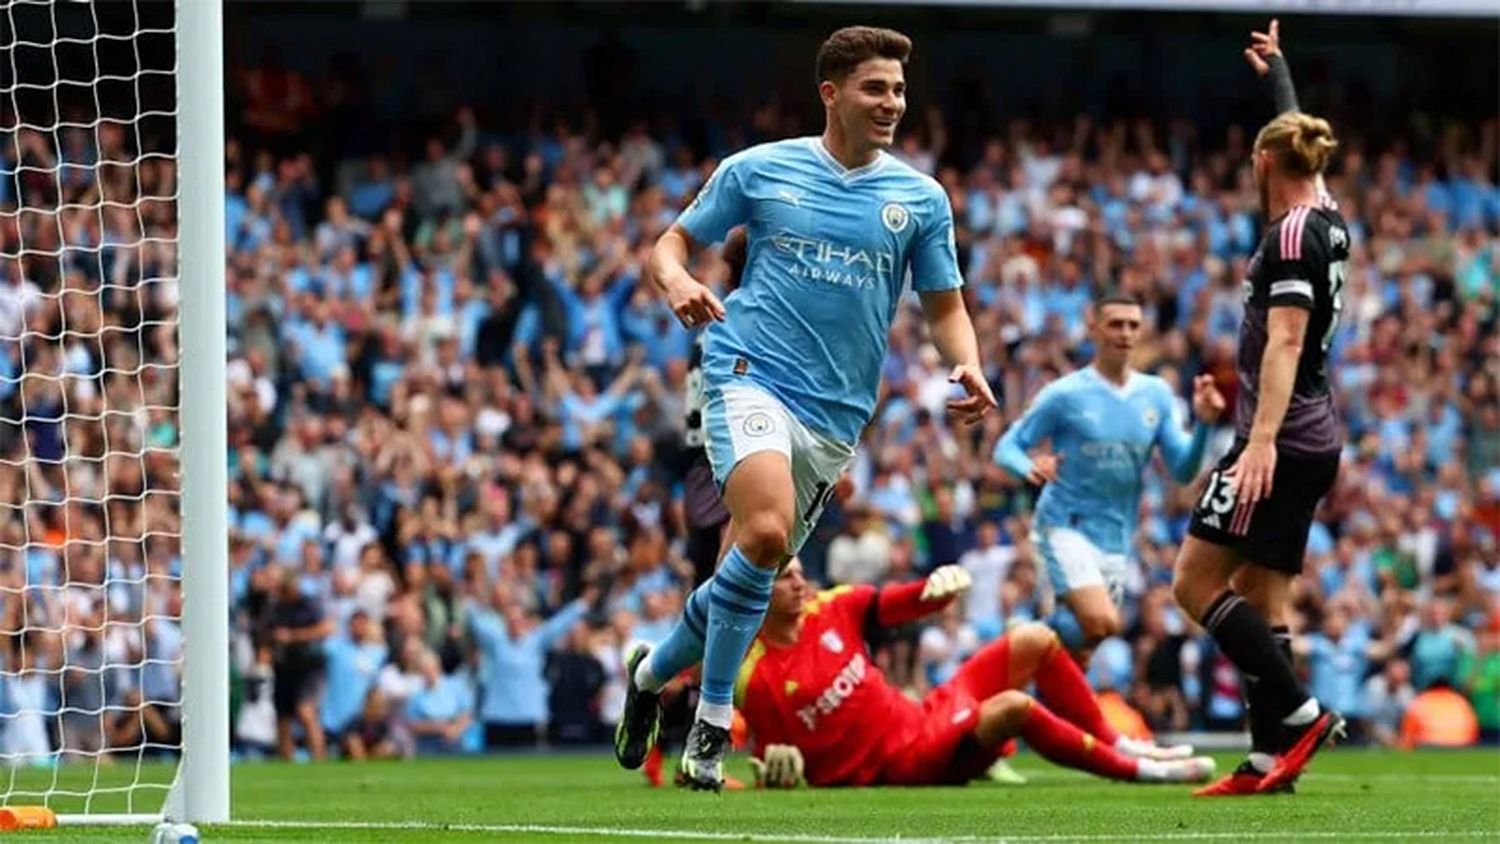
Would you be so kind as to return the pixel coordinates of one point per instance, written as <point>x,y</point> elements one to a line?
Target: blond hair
<point>1301,143</point>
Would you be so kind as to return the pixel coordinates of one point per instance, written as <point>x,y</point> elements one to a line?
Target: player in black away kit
<point>1249,528</point>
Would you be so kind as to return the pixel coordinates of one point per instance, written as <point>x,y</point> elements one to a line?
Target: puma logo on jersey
<point>790,196</point>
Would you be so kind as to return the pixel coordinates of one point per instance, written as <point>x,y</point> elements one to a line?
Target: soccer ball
<point>167,832</point>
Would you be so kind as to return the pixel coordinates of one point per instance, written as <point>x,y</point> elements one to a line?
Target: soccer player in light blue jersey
<point>837,229</point>
<point>1103,423</point>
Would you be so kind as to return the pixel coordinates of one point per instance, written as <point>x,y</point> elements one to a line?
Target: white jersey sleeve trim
<point>1292,287</point>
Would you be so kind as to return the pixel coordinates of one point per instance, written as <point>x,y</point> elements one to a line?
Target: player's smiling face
<point>870,102</point>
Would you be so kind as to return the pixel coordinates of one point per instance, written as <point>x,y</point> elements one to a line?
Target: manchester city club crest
<point>1149,417</point>
<point>759,424</point>
<point>895,217</point>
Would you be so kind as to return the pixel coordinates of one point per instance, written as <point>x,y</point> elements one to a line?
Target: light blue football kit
<point>1104,433</point>
<point>795,365</point>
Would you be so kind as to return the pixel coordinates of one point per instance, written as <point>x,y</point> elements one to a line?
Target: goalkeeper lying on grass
<point>820,710</point>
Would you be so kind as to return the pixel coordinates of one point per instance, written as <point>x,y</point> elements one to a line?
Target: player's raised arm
<point>897,604</point>
<point>1265,56</point>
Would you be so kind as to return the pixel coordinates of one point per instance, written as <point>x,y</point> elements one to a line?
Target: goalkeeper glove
<point>946,582</point>
<point>779,767</point>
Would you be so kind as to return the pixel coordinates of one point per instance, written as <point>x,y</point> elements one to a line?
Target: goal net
<point>91,433</point>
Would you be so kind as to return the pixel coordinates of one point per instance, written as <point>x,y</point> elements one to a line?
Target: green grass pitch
<point>1349,795</point>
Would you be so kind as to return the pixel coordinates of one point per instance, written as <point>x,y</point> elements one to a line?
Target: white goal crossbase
<point>113,567</point>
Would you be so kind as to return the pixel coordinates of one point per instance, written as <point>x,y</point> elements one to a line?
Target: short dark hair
<point>1115,296</point>
<point>846,48</point>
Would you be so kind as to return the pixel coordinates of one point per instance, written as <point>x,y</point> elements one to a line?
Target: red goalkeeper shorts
<point>931,750</point>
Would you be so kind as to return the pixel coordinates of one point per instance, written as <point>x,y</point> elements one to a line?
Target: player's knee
<point>1187,591</point>
<point>1262,589</point>
<point>1098,626</point>
<point>764,538</point>
<point>1002,715</point>
<point>1034,637</point>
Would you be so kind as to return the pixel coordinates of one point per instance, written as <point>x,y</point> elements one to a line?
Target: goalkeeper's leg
<point>1092,584</point>
<point>1033,653</point>
<point>1014,713</point>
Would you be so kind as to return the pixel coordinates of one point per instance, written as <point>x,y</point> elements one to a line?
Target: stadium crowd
<point>456,417</point>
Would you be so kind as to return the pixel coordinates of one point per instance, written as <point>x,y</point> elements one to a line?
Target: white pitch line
<point>1485,779</point>
<point>602,832</point>
<point>618,832</point>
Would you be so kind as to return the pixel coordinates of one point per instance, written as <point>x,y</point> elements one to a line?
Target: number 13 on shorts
<point>1220,508</point>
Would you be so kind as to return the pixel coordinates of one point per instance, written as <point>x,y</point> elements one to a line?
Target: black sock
<point>1266,734</point>
<point>1244,637</point>
<point>1283,636</point>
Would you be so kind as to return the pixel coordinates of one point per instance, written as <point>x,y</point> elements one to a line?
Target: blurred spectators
<point>440,711</point>
<point>1480,679</point>
<point>1387,697</point>
<point>1440,647</point>
<point>298,631</point>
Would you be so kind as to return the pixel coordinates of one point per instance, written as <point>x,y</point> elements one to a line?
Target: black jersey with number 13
<point>1300,263</point>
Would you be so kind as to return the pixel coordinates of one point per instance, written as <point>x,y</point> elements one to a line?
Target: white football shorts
<point>743,419</point>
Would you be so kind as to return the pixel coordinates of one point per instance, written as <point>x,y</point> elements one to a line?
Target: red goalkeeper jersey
<point>825,694</point>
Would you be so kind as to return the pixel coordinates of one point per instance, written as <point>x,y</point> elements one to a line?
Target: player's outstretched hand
<point>1253,471</point>
<point>1044,469</point>
<point>1208,402</point>
<point>980,399</point>
<point>945,582</point>
<point>779,767</point>
<point>1262,46</point>
<point>693,303</point>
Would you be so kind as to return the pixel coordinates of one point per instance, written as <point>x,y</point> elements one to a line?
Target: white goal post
<point>114,586</point>
<point>205,531</point>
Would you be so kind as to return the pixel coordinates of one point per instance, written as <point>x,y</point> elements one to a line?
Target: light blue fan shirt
<point>830,253</point>
<point>1105,434</point>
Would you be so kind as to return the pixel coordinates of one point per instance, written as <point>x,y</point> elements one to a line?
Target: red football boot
<point>1244,781</point>
<point>653,767</point>
<point>1327,729</point>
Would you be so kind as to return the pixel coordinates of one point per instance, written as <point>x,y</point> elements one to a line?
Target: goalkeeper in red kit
<point>820,710</point>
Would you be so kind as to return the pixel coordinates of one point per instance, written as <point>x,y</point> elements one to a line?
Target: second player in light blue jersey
<point>1103,423</point>
<point>837,230</point>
